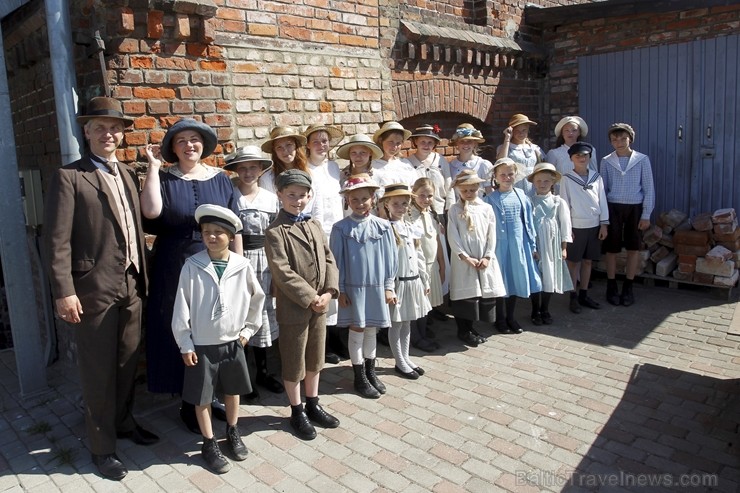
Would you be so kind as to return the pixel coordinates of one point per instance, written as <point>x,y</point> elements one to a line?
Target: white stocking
<point>394,338</point>
<point>370,342</point>
<point>405,337</point>
<point>354,345</point>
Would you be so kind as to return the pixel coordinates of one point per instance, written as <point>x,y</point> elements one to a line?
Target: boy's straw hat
<point>388,127</point>
<point>467,177</point>
<point>571,119</point>
<point>211,213</point>
<point>247,154</point>
<point>359,140</point>
<point>355,182</point>
<point>520,119</point>
<point>466,131</point>
<point>335,134</point>
<point>544,167</point>
<point>396,190</point>
<point>280,133</point>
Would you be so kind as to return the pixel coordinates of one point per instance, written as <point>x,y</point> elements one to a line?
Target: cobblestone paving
<point>645,398</point>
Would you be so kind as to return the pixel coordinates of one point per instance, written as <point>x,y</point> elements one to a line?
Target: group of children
<point>377,257</point>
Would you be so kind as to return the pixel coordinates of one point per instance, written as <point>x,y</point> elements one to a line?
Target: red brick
<point>134,107</point>
<point>152,93</point>
<point>145,122</point>
<point>325,107</point>
<point>196,49</point>
<point>215,66</point>
<point>135,138</point>
<point>127,45</point>
<point>182,26</point>
<point>687,259</point>
<point>141,62</point>
<point>693,238</point>
<point>154,28</point>
<point>262,30</point>
<point>127,21</point>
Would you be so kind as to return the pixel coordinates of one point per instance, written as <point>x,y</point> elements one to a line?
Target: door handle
<point>680,133</point>
<point>709,131</point>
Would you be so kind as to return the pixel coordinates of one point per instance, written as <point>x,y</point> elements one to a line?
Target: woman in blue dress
<point>168,201</point>
<point>515,243</point>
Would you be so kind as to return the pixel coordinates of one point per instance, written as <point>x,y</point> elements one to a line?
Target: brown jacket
<point>83,238</point>
<point>302,267</point>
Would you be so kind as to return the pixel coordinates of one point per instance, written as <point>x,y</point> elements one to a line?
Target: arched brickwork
<point>430,96</point>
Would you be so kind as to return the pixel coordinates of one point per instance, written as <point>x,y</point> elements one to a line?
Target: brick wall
<point>566,43</point>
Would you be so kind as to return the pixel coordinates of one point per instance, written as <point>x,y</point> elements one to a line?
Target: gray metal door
<point>682,100</point>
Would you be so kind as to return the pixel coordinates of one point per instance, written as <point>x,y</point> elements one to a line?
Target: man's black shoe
<point>110,466</point>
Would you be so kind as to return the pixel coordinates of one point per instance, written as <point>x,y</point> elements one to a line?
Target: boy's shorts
<point>221,368</point>
<point>586,245</point>
<point>623,229</point>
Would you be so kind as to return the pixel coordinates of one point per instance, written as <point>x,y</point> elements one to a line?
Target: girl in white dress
<point>520,149</point>
<point>467,139</point>
<point>568,131</point>
<point>426,221</point>
<point>552,223</point>
<point>412,282</point>
<point>390,168</point>
<point>257,209</point>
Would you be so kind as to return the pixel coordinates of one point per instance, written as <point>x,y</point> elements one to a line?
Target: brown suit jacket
<point>301,267</point>
<point>83,239</point>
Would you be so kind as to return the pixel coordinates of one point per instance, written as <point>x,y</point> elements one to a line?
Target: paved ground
<point>645,398</point>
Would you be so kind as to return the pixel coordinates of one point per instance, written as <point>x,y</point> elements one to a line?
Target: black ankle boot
<point>612,292</point>
<point>362,385</point>
<point>372,377</point>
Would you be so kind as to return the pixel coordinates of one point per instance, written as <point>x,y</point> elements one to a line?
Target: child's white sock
<point>394,338</point>
<point>354,346</point>
<point>370,342</point>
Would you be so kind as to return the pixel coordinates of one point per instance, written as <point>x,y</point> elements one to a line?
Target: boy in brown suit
<point>305,278</point>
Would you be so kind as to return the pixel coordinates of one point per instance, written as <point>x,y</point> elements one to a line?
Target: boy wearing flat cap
<point>628,179</point>
<point>305,277</point>
<point>218,307</point>
<point>583,190</point>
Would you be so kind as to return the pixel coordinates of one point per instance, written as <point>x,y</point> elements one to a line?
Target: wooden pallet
<point>649,280</point>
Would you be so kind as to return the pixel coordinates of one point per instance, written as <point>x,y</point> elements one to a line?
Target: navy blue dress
<point>178,237</point>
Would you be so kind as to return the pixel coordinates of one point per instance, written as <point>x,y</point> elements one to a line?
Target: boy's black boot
<point>627,297</point>
<point>575,307</point>
<point>372,377</point>
<point>318,415</point>
<point>362,385</point>
<point>612,292</point>
<point>234,438</point>
<point>213,456</point>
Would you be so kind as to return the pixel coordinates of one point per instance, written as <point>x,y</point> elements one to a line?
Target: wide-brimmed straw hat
<point>622,126</point>
<point>466,131</point>
<point>360,180</point>
<point>520,119</point>
<point>206,132</point>
<point>359,140</point>
<point>544,167</point>
<point>335,134</point>
<point>388,127</point>
<point>103,107</point>
<point>467,177</point>
<point>397,190</point>
<point>571,119</point>
<point>281,133</point>
<point>247,154</point>
<point>426,131</point>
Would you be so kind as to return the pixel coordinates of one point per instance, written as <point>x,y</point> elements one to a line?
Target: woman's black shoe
<point>514,327</point>
<point>411,375</point>
<point>546,318</point>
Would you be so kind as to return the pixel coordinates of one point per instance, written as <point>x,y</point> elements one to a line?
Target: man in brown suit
<point>95,250</point>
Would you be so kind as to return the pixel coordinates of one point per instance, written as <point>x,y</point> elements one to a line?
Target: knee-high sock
<point>405,343</point>
<point>354,345</point>
<point>546,301</point>
<point>510,307</point>
<point>370,342</point>
<point>394,337</point>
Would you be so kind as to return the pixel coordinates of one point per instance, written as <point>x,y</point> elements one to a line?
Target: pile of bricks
<point>704,249</point>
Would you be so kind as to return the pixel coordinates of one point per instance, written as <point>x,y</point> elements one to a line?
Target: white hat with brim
<point>467,177</point>
<point>247,154</point>
<point>507,161</point>
<point>359,140</point>
<point>282,133</point>
<point>390,127</point>
<point>211,213</point>
<point>360,180</point>
<point>577,120</point>
<point>544,167</point>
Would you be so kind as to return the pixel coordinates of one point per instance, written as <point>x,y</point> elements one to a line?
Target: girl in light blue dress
<point>515,243</point>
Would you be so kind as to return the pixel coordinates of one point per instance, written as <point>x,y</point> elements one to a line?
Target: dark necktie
<point>109,165</point>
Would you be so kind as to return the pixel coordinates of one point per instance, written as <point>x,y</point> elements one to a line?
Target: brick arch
<point>435,95</point>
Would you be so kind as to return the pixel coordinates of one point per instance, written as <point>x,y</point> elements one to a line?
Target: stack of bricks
<point>704,250</point>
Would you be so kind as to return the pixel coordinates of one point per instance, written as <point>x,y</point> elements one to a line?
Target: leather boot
<point>362,386</point>
<point>612,292</point>
<point>372,377</point>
